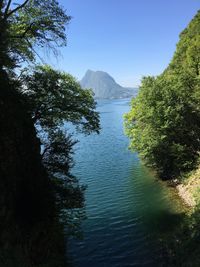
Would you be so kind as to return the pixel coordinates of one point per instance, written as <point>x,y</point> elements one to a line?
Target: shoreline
<point>189,189</point>
<point>185,194</point>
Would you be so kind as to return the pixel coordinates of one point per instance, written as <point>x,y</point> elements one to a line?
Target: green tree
<point>164,121</point>
<point>51,97</point>
<point>56,97</point>
<point>163,125</point>
<point>29,25</point>
<point>36,189</point>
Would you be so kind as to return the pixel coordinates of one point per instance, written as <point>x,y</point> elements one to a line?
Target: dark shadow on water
<point>164,221</point>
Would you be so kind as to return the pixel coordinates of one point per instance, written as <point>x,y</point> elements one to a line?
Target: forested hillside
<point>164,127</point>
<point>164,121</point>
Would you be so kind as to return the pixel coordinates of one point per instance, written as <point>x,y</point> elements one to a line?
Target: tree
<point>56,97</point>
<point>163,125</point>
<point>29,25</point>
<point>52,97</point>
<point>36,188</point>
<point>164,121</point>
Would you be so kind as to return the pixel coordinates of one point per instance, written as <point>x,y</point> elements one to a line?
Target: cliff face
<point>104,86</point>
<point>26,197</point>
<point>21,171</point>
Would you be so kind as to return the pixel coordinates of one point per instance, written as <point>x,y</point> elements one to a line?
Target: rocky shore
<point>189,190</point>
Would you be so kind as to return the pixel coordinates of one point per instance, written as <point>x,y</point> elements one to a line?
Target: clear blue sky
<point>126,38</point>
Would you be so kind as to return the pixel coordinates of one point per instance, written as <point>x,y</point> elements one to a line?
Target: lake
<point>127,209</point>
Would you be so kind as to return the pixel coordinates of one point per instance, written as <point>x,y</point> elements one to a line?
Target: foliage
<point>27,26</point>
<point>69,195</point>
<point>164,121</point>
<point>56,97</point>
<point>38,193</point>
<point>52,97</point>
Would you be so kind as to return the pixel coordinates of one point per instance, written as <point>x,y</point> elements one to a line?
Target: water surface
<point>126,207</point>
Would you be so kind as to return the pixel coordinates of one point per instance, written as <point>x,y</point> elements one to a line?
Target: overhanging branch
<point>7,8</point>
<point>16,9</point>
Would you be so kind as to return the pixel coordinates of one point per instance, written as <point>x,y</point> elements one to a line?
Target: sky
<point>128,39</point>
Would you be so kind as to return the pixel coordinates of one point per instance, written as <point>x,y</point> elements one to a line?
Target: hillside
<point>164,122</point>
<point>104,86</point>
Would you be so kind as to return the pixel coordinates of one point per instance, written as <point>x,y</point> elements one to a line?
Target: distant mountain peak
<point>88,72</point>
<point>104,86</point>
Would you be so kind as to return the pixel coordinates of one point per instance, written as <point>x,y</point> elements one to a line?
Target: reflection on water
<point>126,207</point>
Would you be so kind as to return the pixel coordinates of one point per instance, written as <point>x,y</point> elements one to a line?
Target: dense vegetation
<point>164,127</point>
<point>164,121</point>
<point>38,192</point>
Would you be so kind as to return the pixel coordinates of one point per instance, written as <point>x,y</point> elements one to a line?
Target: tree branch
<point>7,8</point>
<point>24,33</point>
<point>16,9</point>
<point>45,151</point>
<point>36,116</point>
<point>31,47</point>
<point>1,4</point>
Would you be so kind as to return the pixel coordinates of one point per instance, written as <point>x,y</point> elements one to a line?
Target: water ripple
<point>123,202</point>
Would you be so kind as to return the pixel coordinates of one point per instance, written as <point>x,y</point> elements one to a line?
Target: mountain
<point>104,86</point>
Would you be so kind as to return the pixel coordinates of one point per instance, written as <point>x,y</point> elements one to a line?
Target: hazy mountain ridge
<point>104,86</point>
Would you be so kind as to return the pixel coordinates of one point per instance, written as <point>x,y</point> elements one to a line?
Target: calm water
<point>125,206</point>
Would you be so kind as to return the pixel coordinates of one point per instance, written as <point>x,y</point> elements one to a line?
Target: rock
<point>105,87</point>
